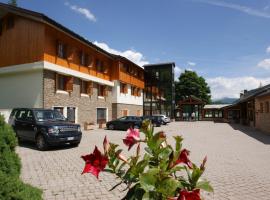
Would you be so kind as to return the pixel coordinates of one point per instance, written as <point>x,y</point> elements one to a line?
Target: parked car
<point>165,119</point>
<point>45,127</point>
<point>124,123</point>
<point>156,120</point>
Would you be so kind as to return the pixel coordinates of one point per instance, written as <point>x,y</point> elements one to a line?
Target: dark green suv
<point>45,127</point>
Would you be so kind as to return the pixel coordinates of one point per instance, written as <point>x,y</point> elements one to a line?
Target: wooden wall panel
<point>51,38</point>
<point>23,43</point>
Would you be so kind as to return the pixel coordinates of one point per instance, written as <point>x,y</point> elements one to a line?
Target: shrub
<point>156,175</point>
<point>11,187</point>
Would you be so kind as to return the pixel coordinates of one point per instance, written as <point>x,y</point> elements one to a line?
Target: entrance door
<point>101,115</point>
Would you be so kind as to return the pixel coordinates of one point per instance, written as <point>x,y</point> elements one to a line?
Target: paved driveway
<point>238,163</point>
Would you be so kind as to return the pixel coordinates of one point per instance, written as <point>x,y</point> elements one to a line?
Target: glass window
<point>83,87</point>
<point>20,115</point>
<point>267,107</point>
<point>61,50</point>
<point>261,107</point>
<point>123,88</point>
<point>101,90</point>
<point>71,114</point>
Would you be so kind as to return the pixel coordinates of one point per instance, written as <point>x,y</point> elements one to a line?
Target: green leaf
<point>176,169</point>
<point>168,186</point>
<point>178,143</point>
<point>205,185</point>
<point>165,153</point>
<point>149,179</point>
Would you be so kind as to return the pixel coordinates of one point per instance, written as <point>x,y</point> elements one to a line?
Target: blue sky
<point>224,41</point>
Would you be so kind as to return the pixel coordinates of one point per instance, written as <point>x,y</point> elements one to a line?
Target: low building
<point>45,65</point>
<point>215,112</point>
<point>262,111</point>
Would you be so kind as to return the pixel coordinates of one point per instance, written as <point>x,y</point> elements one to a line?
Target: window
<point>124,112</point>
<point>138,92</point>
<point>208,114</point>
<point>86,87</point>
<point>133,91</point>
<point>83,59</point>
<point>261,107</point>
<point>102,90</point>
<point>267,106</point>
<point>123,88</point>
<point>101,115</point>
<point>21,115</point>
<point>10,22</point>
<point>138,113</point>
<point>61,50</point>
<point>99,65</point>
<point>71,114</point>
<point>59,109</point>
<point>64,83</point>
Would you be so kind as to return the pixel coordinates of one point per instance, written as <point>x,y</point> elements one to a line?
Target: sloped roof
<point>253,93</point>
<point>216,106</point>
<point>40,17</point>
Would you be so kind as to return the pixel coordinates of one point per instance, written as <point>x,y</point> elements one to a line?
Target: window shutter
<point>56,82</point>
<point>57,48</point>
<point>139,92</point>
<point>90,88</point>
<point>106,68</point>
<point>126,89</point>
<point>69,84</point>
<point>106,91</point>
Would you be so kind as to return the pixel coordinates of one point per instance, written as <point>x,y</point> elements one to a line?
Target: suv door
<point>29,125</point>
<point>18,123</point>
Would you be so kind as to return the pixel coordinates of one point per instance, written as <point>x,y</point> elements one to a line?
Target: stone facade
<point>262,116</point>
<point>86,106</point>
<point>117,110</point>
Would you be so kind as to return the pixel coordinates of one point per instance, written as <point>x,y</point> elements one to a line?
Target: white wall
<point>119,97</point>
<point>21,89</point>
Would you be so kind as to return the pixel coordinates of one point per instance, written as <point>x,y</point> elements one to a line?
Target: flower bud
<point>121,157</point>
<point>202,167</point>
<point>106,145</point>
<point>138,150</point>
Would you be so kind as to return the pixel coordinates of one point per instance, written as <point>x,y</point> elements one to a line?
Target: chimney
<point>241,94</point>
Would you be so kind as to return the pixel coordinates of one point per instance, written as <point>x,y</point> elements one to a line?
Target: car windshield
<point>49,115</point>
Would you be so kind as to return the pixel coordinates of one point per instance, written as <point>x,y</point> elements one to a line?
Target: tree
<point>13,2</point>
<point>191,84</point>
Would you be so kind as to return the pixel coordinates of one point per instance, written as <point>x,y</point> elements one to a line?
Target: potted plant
<point>157,174</point>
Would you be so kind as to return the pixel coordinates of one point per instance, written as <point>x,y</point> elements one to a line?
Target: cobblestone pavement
<point>238,163</point>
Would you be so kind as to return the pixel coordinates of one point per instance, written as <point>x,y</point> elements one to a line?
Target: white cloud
<point>231,87</point>
<point>191,63</point>
<point>132,55</point>
<point>265,64</point>
<point>177,72</point>
<point>244,9</point>
<point>268,50</point>
<point>83,11</point>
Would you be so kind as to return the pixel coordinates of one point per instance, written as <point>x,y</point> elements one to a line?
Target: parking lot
<point>238,162</point>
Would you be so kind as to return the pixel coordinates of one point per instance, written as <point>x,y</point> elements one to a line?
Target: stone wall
<point>86,105</point>
<point>132,109</point>
<point>262,118</point>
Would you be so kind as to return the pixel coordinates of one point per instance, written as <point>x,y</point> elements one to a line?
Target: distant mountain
<point>225,100</point>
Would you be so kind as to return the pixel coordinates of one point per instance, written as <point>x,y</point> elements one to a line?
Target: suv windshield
<point>48,115</point>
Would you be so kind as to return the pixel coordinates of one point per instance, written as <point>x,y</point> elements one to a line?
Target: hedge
<point>11,187</point>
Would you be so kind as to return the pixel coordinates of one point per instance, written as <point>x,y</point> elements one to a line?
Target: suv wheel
<point>41,143</point>
<point>111,127</point>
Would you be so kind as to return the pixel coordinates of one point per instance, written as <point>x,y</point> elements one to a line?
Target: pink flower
<point>94,162</point>
<point>189,195</point>
<point>132,137</point>
<point>183,158</point>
